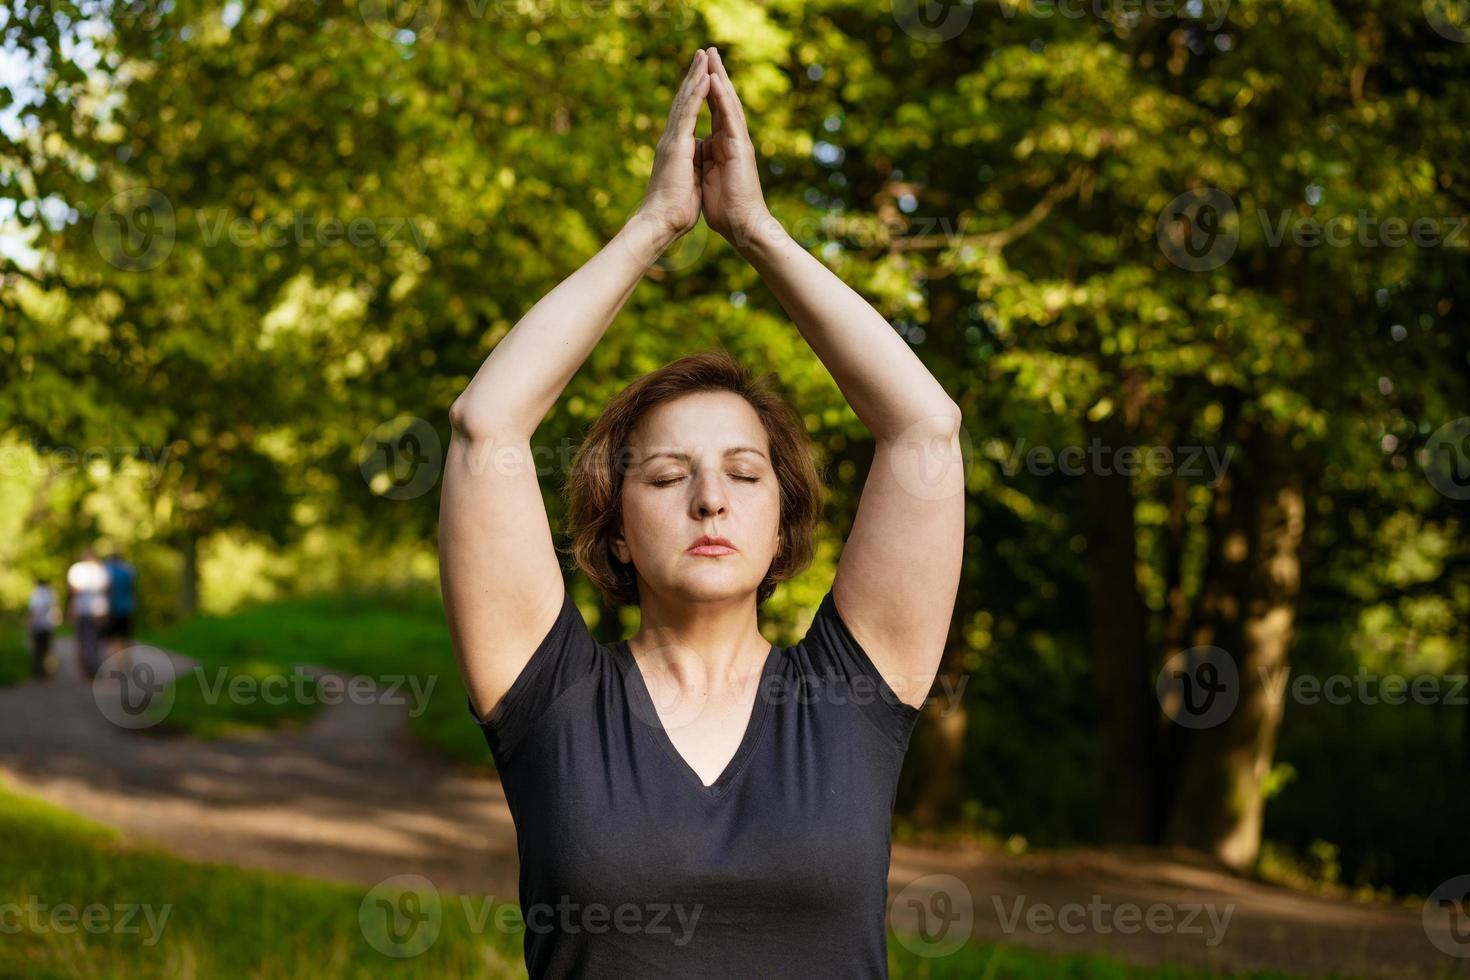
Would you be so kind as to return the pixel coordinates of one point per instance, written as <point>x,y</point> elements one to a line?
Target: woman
<point>694,801</point>
<point>43,615</point>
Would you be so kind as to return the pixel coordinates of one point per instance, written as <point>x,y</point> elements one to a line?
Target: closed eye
<point>669,481</point>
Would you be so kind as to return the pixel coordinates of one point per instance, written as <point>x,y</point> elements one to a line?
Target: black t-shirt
<point>630,867</point>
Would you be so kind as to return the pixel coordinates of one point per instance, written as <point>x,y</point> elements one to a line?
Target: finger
<point>717,68</point>
<point>682,93</point>
<point>732,113</point>
<point>694,79</point>
<point>688,110</point>
<point>731,116</point>
<point>716,118</point>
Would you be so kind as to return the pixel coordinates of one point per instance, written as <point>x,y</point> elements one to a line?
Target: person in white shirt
<point>86,582</point>
<point>43,615</point>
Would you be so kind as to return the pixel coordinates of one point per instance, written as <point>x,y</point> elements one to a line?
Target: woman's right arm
<point>498,567</point>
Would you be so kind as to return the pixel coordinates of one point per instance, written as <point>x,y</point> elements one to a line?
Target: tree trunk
<point>1248,609</point>
<point>1465,720</point>
<point>189,575</point>
<point>935,777</point>
<point>1118,638</point>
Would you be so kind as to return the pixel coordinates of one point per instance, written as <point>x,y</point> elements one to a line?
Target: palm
<point>712,187</point>
<point>673,196</point>
<point>730,188</point>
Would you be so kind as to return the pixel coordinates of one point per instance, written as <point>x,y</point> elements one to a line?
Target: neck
<point>710,645</point>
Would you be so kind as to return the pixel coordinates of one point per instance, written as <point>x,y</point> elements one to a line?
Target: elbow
<point>465,421</point>
<point>947,419</point>
<point>481,423</point>
<point>459,417</point>
<point>936,422</point>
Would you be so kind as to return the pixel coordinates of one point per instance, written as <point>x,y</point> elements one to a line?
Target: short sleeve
<point>848,676</point>
<point>566,655</point>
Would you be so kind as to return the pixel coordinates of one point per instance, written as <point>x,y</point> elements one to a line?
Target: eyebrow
<point>685,457</point>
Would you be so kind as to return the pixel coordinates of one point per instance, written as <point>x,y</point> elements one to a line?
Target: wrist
<point>648,235</point>
<point>759,235</point>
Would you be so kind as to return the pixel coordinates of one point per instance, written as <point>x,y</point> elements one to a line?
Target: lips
<point>712,545</point>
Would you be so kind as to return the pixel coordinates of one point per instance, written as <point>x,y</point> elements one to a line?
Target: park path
<point>352,797</point>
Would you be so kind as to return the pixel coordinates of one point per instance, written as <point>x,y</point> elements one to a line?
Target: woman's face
<point>699,464</point>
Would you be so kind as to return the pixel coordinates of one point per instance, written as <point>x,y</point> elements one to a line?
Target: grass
<point>248,682</point>
<point>140,912</point>
<point>15,655</point>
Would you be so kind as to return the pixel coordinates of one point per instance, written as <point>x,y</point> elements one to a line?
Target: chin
<point>708,587</point>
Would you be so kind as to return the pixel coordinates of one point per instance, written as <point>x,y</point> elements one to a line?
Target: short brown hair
<point>595,485</point>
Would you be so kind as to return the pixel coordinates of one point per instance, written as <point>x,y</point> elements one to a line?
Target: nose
<point>709,497</point>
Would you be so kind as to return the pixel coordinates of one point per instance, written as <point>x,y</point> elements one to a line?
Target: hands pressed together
<point>716,174</point>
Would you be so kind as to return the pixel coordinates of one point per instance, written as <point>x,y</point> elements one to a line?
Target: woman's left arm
<point>899,571</point>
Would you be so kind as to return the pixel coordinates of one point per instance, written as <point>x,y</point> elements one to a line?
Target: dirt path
<point>352,797</point>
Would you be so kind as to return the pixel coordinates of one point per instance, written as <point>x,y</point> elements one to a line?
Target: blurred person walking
<point>43,615</point>
<point>122,603</point>
<point>86,583</point>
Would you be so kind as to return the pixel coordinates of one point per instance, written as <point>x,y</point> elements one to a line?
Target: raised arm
<point>501,577</point>
<point>899,571</point>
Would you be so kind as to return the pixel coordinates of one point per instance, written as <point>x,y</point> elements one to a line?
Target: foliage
<point>996,191</point>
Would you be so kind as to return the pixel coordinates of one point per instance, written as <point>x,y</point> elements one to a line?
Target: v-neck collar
<point>645,709</point>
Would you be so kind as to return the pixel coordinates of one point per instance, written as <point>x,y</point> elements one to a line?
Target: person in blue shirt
<point>122,602</point>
